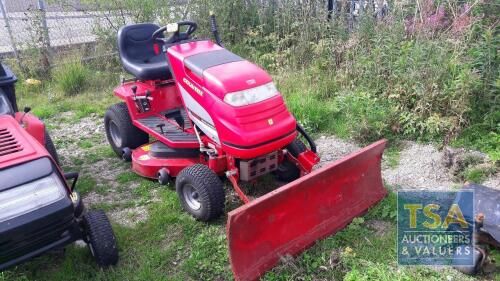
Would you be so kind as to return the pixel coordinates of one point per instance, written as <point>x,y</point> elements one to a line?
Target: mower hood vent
<point>8,143</point>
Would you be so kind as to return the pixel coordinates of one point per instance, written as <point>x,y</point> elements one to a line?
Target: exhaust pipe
<point>215,29</point>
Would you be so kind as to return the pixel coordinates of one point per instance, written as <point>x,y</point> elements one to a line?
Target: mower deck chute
<point>291,218</point>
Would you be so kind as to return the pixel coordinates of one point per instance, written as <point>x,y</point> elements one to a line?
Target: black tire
<point>127,154</point>
<point>101,239</point>
<point>49,145</point>
<point>199,180</point>
<point>478,256</point>
<point>288,171</point>
<point>163,176</point>
<point>120,131</point>
<point>296,147</point>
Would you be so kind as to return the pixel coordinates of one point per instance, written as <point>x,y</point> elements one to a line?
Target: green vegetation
<point>126,177</point>
<point>478,174</point>
<point>86,184</point>
<point>71,77</point>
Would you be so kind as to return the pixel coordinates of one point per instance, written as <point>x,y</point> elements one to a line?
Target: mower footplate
<point>146,165</point>
<point>167,129</point>
<point>290,219</point>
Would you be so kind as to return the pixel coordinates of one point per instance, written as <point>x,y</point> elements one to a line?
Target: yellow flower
<point>33,82</point>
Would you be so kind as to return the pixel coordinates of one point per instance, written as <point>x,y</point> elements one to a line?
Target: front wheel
<point>288,171</point>
<point>201,192</point>
<point>100,238</point>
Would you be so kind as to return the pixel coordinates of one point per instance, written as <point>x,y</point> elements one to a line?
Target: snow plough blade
<point>291,218</point>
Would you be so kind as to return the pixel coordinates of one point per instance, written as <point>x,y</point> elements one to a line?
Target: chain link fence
<point>37,32</point>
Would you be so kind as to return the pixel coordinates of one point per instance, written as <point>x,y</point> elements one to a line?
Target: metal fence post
<point>45,32</point>
<point>11,36</point>
<point>352,6</point>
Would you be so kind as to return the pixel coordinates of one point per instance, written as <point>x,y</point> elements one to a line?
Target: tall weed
<point>71,77</point>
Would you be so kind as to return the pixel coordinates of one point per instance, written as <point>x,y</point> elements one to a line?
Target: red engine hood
<point>215,69</point>
<point>16,145</point>
<point>233,77</point>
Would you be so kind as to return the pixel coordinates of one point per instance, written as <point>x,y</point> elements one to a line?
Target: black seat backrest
<point>138,55</point>
<point>135,43</point>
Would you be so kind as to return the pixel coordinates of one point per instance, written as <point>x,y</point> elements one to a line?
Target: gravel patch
<point>67,135</point>
<point>105,170</point>
<point>331,148</point>
<point>493,182</point>
<point>112,195</point>
<point>420,167</point>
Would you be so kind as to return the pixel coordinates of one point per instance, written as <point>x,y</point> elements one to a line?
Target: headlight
<point>28,197</point>
<point>251,96</point>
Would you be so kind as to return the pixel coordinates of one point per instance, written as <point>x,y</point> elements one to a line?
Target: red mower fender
<point>33,126</point>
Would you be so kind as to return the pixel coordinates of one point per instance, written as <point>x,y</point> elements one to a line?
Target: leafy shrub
<point>71,78</point>
<point>361,116</point>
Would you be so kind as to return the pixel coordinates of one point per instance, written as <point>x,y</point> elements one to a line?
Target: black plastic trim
<point>303,132</point>
<point>161,150</point>
<point>259,144</point>
<point>25,172</point>
<point>7,77</point>
<point>199,62</point>
<point>72,234</point>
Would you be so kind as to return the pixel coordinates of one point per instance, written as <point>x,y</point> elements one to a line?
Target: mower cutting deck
<point>210,113</point>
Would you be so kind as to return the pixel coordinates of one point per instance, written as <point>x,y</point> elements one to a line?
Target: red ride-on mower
<point>211,113</point>
<point>39,211</point>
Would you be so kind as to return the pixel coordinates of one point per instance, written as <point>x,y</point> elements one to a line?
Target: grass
<point>391,155</point>
<point>478,175</point>
<point>126,177</point>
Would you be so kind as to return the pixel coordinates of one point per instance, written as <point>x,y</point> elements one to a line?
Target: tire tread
<point>214,196</point>
<point>132,137</point>
<point>101,236</point>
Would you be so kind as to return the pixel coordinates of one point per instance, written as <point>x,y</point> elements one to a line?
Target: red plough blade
<point>291,218</point>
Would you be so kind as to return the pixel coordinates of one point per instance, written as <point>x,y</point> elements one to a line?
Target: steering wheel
<point>177,36</point>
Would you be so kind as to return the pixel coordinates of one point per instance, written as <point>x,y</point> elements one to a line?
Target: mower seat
<point>137,53</point>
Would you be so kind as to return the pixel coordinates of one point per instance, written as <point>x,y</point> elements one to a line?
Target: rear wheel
<point>100,238</point>
<point>288,171</point>
<point>120,131</point>
<point>49,145</point>
<point>201,192</point>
